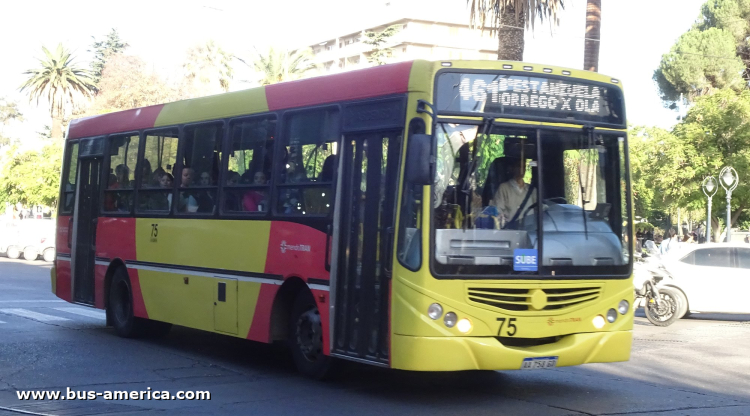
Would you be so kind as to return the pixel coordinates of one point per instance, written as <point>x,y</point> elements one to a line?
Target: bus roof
<point>365,83</point>
<point>353,85</point>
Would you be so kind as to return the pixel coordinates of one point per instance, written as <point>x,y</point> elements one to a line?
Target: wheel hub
<point>309,334</point>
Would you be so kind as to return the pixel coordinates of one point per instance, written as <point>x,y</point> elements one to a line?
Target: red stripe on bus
<point>62,286</point>
<point>296,250</point>
<point>121,121</point>
<point>139,306</point>
<point>260,328</point>
<point>364,83</point>
<point>115,238</point>
<point>61,239</point>
<point>322,298</point>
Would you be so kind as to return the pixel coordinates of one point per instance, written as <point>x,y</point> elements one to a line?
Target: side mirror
<point>419,160</point>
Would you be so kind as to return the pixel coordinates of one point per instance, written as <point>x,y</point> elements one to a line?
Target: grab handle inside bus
<point>419,159</point>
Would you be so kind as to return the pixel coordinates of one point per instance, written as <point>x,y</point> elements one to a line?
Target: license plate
<point>539,363</point>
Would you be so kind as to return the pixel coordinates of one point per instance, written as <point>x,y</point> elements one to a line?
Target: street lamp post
<point>729,180</point>
<point>709,189</point>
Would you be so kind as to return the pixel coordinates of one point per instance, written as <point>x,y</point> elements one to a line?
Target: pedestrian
<point>670,243</point>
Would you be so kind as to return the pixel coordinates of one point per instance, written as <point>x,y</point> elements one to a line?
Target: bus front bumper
<point>487,353</point>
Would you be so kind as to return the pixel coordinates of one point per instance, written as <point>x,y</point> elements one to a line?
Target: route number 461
<point>510,330</point>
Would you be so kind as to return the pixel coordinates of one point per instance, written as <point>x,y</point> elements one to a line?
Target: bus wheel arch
<point>283,303</point>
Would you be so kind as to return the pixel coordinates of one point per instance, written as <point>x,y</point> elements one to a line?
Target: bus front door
<point>369,177</point>
<point>84,229</point>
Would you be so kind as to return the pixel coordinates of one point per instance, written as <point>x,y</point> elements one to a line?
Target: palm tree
<point>281,65</point>
<point>510,18</point>
<point>207,63</point>
<point>58,80</point>
<point>593,29</point>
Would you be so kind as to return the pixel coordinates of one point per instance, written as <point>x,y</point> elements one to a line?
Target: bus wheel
<point>306,338</point>
<point>121,307</point>
<point>13,252</point>
<point>30,253</point>
<point>49,255</point>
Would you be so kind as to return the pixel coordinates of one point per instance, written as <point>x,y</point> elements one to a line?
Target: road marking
<point>32,315</point>
<point>91,313</point>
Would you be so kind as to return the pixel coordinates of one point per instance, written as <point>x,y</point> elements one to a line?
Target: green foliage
<point>281,65</point>
<point>714,54</point>
<point>379,54</point>
<point>208,68</point>
<point>57,80</point>
<point>699,63</point>
<point>103,50</point>
<point>31,178</point>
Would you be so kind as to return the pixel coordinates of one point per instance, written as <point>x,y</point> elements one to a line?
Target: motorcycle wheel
<point>669,311</point>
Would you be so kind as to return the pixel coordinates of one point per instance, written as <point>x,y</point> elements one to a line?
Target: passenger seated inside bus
<point>255,200</point>
<point>188,203</point>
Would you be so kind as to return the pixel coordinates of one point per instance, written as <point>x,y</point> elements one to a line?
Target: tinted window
<point>249,165</point>
<point>306,170</point>
<point>201,155</point>
<point>160,156</point>
<point>689,259</point>
<point>714,257</point>
<point>743,258</point>
<point>69,179</point>
<point>123,155</point>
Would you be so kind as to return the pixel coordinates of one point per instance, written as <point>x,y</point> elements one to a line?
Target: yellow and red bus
<point>388,216</point>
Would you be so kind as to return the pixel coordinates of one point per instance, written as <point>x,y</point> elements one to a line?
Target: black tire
<point>13,252</point>
<point>306,338</point>
<point>682,302</point>
<point>49,255</point>
<point>120,307</point>
<point>668,313</point>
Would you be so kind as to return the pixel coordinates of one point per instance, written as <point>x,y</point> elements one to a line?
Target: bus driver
<point>512,197</point>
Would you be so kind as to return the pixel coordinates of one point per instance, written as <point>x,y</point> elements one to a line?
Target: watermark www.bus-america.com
<point>147,394</point>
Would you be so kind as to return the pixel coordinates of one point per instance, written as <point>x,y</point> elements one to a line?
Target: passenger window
<point>123,155</point>
<point>200,169</point>
<point>743,258</point>
<point>306,171</point>
<point>713,257</point>
<point>249,166</point>
<point>689,259</point>
<point>159,155</point>
<point>69,179</point>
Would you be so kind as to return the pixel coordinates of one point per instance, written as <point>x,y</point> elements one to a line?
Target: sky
<point>635,34</point>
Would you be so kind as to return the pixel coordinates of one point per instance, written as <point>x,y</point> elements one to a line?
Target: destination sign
<point>531,96</point>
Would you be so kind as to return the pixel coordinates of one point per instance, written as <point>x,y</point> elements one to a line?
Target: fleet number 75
<point>510,330</point>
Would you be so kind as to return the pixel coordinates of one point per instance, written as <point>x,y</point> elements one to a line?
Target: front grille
<point>520,299</point>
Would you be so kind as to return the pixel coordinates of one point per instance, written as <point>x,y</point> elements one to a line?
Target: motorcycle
<point>661,305</point>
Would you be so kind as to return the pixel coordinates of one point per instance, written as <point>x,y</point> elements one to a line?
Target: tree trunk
<point>593,29</point>
<point>510,36</point>
<point>57,132</point>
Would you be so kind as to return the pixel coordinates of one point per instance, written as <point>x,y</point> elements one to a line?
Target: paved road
<point>697,367</point>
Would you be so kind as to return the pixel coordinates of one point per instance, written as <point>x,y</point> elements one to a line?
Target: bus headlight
<point>450,319</point>
<point>623,307</point>
<point>598,322</point>
<point>435,311</point>
<point>464,326</point>
<point>611,316</point>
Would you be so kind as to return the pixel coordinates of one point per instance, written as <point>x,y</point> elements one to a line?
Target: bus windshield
<point>494,185</point>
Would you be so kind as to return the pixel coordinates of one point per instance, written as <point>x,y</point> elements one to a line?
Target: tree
<point>281,65</point>
<point>593,34</point>
<point>128,83</point>
<point>376,40</point>
<point>712,55</point>
<point>8,111</point>
<point>103,50</point>
<point>32,177</point>
<point>508,18</point>
<point>58,80</point>
<point>208,69</point>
